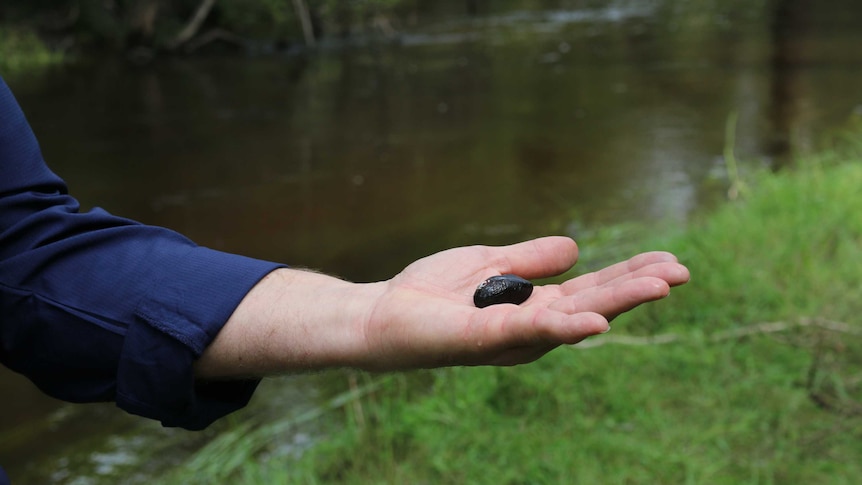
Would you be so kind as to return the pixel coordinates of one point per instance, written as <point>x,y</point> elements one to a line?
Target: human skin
<point>296,320</point>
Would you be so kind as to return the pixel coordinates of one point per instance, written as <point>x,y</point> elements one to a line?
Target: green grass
<point>721,401</point>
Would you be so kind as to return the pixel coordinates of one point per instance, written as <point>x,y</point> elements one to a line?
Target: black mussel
<point>507,288</point>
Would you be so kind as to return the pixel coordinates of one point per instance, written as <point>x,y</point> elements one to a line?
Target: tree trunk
<point>142,18</point>
<point>789,26</point>
<point>305,20</point>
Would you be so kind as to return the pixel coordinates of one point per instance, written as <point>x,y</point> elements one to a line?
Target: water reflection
<point>492,129</point>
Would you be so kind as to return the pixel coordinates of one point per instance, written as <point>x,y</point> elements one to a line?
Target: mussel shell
<point>507,288</point>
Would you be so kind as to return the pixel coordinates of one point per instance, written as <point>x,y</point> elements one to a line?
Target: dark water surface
<point>358,159</point>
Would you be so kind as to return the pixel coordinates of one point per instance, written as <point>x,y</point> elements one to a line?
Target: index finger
<point>627,269</point>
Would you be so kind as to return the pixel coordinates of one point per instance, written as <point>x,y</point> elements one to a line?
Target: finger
<point>537,327</point>
<point>537,258</point>
<point>673,274</point>
<point>658,264</point>
<point>632,264</point>
<point>610,301</point>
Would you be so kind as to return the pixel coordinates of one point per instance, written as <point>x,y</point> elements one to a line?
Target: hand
<point>426,316</point>
<point>296,320</point>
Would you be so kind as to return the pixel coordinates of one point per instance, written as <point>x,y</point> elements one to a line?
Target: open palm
<point>426,317</point>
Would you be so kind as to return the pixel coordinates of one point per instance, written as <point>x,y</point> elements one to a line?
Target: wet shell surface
<point>507,288</point>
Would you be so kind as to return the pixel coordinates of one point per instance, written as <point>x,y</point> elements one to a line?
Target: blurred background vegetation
<point>146,27</point>
<point>34,32</point>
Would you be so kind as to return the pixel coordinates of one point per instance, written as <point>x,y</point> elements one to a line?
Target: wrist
<point>293,321</point>
<point>333,320</point>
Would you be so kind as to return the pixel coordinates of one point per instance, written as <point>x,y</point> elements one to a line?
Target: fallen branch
<point>193,25</point>
<point>756,329</point>
<point>630,340</point>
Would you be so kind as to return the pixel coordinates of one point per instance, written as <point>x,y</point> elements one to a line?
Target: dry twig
<point>756,329</point>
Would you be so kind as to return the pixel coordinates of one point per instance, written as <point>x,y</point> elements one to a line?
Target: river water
<point>359,158</point>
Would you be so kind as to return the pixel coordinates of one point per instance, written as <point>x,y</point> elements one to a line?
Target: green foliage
<point>791,248</point>
<point>21,49</point>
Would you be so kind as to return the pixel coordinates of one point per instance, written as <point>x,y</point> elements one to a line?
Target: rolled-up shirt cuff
<point>173,325</point>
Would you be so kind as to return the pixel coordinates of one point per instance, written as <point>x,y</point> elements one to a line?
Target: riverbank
<point>749,374</point>
<point>145,30</point>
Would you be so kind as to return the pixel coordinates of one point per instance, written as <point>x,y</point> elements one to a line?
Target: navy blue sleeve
<point>95,307</point>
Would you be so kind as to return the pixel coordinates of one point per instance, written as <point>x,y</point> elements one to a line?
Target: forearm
<point>292,321</point>
<point>295,320</point>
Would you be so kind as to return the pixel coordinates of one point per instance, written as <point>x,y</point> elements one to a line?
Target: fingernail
<point>607,329</point>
